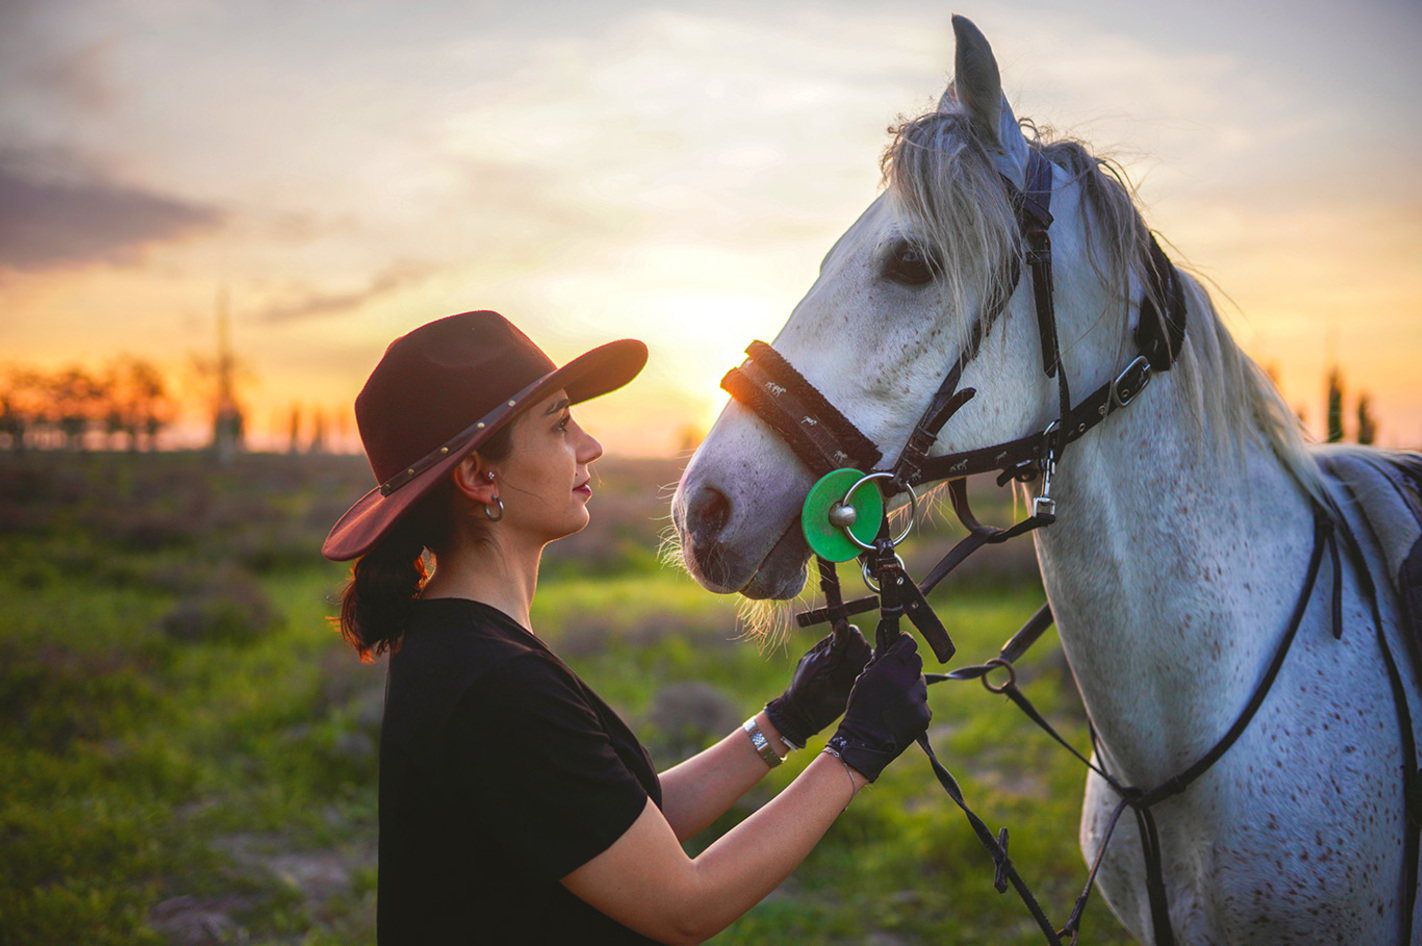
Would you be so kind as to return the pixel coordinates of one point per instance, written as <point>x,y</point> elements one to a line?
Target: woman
<point>515,806</point>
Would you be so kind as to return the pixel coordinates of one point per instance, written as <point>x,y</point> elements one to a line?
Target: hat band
<point>459,441</point>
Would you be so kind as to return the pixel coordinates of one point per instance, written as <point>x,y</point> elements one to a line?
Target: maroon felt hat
<point>441,391</point>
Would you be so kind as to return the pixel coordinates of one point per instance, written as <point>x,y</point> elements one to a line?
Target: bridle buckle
<point>1131,381</point>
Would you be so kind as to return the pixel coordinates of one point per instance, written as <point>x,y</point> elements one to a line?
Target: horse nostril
<point>706,515</point>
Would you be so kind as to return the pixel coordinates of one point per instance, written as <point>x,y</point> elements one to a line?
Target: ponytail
<point>386,581</point>
<point>381,593</point>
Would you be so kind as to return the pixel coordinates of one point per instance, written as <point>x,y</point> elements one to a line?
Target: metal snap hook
<point>864,571</point>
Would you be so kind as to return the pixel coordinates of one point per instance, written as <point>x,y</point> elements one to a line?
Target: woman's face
<point>544,482</point>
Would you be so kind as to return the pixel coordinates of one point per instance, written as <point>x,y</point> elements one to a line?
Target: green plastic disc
<point>827,538</point>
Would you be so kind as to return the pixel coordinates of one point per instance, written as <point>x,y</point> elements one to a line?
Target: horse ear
<point>977,88</point>
<point>976,81</point>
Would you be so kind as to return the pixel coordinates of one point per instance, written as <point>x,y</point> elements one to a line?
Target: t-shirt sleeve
<point>537,769</point>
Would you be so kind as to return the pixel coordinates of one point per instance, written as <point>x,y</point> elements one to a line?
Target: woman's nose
<point>589,450</point>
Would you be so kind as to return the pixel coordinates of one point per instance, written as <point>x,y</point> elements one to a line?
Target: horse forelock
<point>951,196</point>
<point>948,194</point>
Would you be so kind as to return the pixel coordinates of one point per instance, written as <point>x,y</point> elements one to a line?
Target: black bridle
<point>824,440</point>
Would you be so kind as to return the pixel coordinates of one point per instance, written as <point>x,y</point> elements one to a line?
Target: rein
<point>825,441</point>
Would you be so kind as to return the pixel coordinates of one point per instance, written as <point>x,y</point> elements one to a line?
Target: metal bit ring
<point>913,509</point>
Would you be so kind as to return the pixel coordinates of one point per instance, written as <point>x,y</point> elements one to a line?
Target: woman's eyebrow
<point>558,406</point>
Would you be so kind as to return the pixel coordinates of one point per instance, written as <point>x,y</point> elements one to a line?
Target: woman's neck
<point>490,573</point>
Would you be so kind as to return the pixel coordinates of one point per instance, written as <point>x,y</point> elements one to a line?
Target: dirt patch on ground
<point>309,883</point>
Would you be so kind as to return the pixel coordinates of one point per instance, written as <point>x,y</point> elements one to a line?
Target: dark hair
<point>386,581</point>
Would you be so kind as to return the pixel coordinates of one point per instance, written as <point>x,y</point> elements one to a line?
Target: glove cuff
<point>869,761</point>
<point>780,716</point>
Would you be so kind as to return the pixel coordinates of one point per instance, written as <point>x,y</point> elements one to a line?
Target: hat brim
<point>592,374</point>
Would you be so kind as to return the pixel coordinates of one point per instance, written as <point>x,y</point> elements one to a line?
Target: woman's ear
<point>475,479</point>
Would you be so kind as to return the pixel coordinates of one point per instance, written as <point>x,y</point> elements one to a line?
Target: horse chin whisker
<point>770,623</point>
<point>669,550</point>
<point>765,622</point>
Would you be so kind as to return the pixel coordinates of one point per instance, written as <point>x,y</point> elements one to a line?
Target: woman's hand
<point>888,709</point>
<point>819,688</point>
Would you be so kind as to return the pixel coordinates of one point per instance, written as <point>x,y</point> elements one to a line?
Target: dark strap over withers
<point>1160,335</point>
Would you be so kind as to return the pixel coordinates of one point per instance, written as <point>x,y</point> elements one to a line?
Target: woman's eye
<point>908,265</point>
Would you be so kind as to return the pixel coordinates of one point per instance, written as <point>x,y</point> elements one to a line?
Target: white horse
<point>1184,529</point>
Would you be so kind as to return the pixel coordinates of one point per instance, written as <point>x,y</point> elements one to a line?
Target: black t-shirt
<point>501,772</point>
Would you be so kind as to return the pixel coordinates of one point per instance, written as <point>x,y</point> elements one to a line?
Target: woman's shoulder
<point>466,660</point>
<point>443,628</point>
<point>453,643</point>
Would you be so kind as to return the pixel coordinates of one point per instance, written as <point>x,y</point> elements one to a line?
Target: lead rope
<point>893,581</point>
<point>894,587</point>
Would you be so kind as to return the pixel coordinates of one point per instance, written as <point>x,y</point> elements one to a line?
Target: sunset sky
<point>674,172</point>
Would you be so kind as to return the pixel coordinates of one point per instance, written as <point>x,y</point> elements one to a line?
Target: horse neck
<point>1169,571</point>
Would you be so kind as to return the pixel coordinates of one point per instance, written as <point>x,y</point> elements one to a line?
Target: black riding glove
<point>820,687</point>
<point>888,709</point>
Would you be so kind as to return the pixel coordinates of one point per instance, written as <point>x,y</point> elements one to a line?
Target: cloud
<point>57,223</point>
<point>397,276</point>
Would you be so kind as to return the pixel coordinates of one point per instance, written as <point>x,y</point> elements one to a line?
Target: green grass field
<point>188,752</point>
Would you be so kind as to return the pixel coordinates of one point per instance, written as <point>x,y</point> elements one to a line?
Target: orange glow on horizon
<point>668,174</point>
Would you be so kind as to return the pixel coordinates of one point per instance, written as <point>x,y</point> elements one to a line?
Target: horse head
<point>903,293</point>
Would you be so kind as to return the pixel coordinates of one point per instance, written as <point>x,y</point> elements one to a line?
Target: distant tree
<point>1335,406</point>
<point>340,427</point>
<point>294,443</point>
<point>318,431</point>
<point>1367,427</point>
<point>78,398</point>
<point>23,399</point>
<point>12,429</point>
<point>138,405</point>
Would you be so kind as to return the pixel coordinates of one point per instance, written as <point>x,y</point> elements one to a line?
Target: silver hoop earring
<point>489,510</point>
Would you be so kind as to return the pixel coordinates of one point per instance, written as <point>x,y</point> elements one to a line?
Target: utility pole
<point>227,421</point>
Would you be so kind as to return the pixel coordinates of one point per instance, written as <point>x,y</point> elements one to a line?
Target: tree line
<point>124,404</point>
<point>1365,430</point>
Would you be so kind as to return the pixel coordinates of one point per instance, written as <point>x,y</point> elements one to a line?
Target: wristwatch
<point>762,745</point>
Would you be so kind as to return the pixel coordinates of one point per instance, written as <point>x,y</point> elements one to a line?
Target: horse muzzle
<point>724,556</point>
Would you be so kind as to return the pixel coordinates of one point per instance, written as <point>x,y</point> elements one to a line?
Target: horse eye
<point>908,265</point>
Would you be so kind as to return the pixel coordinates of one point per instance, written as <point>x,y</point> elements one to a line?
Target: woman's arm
<point>701,789</point>
<point>646,881</point>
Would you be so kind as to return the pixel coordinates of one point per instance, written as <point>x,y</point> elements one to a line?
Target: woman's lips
<point>584,488</point>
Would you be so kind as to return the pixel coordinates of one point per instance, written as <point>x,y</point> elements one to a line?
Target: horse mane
<point>945,184</point>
